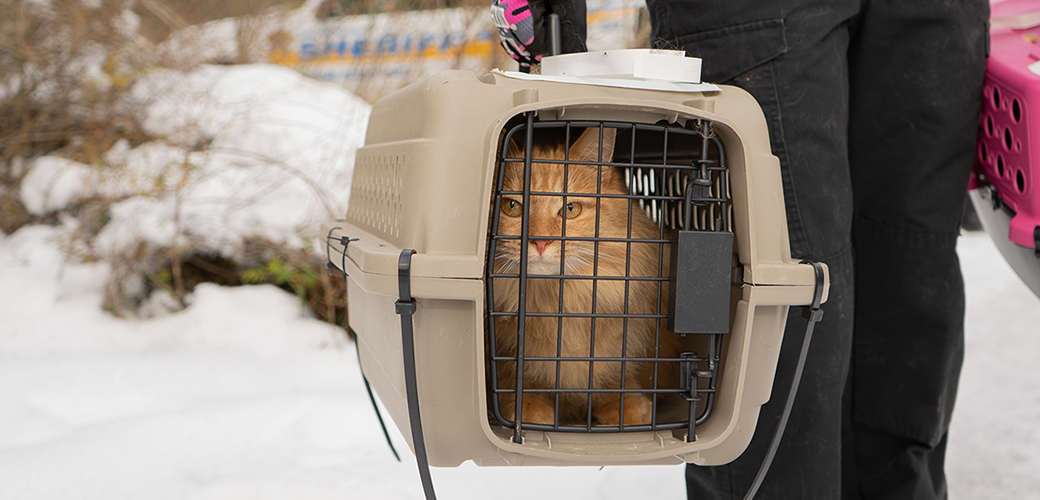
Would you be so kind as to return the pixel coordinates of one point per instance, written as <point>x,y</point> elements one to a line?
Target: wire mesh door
<point>581,274</point>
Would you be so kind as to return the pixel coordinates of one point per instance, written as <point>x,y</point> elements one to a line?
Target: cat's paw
<point>536,411</point>
<point>638,411</point>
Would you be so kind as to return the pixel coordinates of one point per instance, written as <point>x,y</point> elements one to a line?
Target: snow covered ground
<point>242,396</point>
<point>994,448</point>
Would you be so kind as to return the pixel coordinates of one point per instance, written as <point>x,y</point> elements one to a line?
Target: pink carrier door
<point>1003,186</point>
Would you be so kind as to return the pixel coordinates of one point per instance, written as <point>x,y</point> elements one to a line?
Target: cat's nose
<point>540,244</point>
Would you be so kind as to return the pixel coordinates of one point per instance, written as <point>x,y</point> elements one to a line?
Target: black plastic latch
<point>701,276</point>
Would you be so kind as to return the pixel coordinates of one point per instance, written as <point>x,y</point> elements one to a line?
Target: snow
<point>54,183</point>
<point>279,152</point>
<point>994,449</point>
<point>243,151</point>
<point>241,395</point>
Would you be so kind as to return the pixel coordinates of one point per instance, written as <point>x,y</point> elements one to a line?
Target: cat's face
<point>553,216</point>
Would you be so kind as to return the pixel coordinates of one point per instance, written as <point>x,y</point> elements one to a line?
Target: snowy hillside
<point>241,151</point>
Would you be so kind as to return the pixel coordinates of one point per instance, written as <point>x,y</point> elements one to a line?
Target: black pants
<point>872,107</point>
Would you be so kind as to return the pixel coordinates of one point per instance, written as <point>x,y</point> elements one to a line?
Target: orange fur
<point>614,337</point>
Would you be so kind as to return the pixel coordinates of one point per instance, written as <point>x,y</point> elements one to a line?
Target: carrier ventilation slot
<point>375,195</point>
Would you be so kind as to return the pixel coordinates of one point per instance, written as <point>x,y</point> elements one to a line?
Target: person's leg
<point>792,59</point>
<point>916,73</point>
<point>892,467</point>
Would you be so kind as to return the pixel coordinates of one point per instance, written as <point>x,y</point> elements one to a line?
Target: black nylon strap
<point>372,398</point>
<point>405,306</point>
<point>345,241</point>
<point>813,314</point>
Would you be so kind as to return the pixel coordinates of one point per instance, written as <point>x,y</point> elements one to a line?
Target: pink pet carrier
<point>1007,167</point>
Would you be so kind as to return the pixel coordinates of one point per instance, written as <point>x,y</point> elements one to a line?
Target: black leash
<point>813,314</point>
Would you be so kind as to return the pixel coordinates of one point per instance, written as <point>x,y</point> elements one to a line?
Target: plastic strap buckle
<point>813,313</point>
<point>405,307</point>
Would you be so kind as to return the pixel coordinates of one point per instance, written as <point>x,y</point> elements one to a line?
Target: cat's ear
<point>587,147</point>
<point>515,148</point>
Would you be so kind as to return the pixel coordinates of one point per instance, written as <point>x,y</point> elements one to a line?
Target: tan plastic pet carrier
<point>584,274</point>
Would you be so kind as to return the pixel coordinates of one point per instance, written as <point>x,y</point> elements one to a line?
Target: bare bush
<point>160,18</point>
<point>64,66</point>
<point>76,147</point>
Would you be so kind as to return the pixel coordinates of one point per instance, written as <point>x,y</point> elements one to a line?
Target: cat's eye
<point>512,208</point>
<point>572,210</point>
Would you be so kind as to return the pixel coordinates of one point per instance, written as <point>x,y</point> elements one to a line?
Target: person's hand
<point>524,27</point>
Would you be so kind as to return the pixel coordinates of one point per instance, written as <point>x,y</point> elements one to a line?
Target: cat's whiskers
<point>505,263</point>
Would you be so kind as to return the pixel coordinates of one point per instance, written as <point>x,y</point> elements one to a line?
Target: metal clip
<point>699,189</point>
<point>689,374</point>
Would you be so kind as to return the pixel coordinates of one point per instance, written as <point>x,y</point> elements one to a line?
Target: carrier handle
<point>405,306</point>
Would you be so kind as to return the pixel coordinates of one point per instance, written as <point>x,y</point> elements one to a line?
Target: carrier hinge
<point>699,188</point>
<point>689,374</point>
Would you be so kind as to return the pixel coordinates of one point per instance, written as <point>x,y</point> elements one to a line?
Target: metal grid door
<point>581,273</point>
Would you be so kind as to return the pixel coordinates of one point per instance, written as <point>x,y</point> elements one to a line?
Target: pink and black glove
<point>523,26</point>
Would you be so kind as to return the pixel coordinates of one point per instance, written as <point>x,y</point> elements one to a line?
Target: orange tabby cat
<point>547,216</point>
